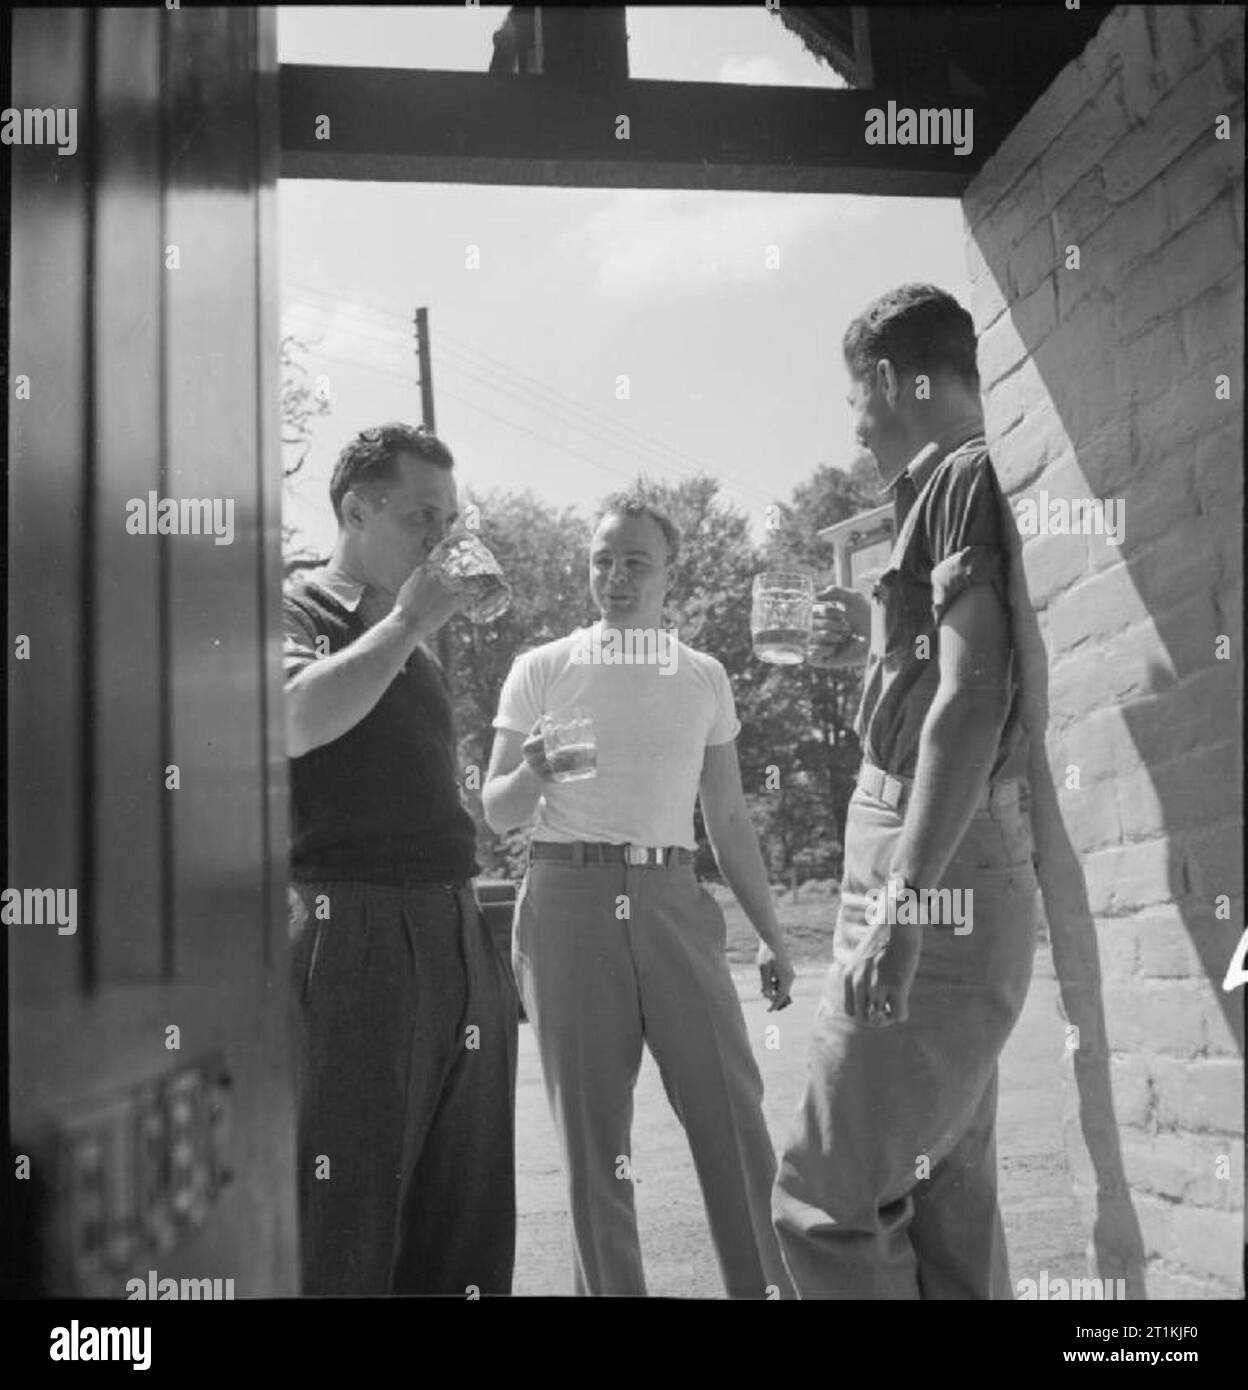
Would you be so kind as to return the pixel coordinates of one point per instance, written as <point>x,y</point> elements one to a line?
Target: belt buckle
<point>637,855</point>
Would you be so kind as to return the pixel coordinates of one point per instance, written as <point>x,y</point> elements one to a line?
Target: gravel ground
<point>1038,1208</point>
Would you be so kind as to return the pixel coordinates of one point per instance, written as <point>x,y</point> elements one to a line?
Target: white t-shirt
<point>652,725</point>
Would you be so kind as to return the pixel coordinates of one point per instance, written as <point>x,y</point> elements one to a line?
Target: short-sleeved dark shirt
<point>381,803</point>
<point>949,536</point>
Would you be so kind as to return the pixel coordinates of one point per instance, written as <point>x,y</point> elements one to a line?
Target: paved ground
<point>1041,1221</point>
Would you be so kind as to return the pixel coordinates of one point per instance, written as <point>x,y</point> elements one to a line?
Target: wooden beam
<point>401,124</point>
<point>583,41</point>
<point>864,68</point>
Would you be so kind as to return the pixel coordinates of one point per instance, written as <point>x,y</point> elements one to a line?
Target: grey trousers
<point>405,1029</point>
<point>595,985</point>
<point>887,1187</point>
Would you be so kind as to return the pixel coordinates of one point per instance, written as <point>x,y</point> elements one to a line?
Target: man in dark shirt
<point>887,1188</point>
<point>406,1020</point>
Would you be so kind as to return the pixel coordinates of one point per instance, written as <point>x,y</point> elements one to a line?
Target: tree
<point>544,554</point>
<point>709,601</point>
<point>302,403</point>
<point>792,825</point>
<point>803,715</point>
<point>828,496</point>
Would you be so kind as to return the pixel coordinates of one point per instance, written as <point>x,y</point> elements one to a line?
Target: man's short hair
<point>371,457</point>
<point>919,328</point>
<point>639,506</point>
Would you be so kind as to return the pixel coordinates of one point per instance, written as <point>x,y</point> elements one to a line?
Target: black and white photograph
<point>624,666</point>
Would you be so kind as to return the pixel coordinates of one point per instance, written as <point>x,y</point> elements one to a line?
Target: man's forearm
<point>957,746</point>
<point>741,862</point>
<point>510,798</point>
<point>330,696</point>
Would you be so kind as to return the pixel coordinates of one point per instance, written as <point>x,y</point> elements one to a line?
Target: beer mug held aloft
<point>468,566</point>
<point>780,616</point>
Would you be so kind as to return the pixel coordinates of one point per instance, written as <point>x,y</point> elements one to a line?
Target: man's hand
<point>777,974</point>
<point>534,750</point>
<point>426,600</point>
<point>877,983</point>
<point>840,628</point>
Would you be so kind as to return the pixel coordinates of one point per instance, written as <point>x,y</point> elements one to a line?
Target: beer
<point>784,646</point>
<point>468,566</point>
<point>781,616</point>
<point>574,762</point>
<point>570,745</point>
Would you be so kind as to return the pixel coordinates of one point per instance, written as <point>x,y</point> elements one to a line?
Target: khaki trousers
<point>888,1184</point>
<point>595,985</point>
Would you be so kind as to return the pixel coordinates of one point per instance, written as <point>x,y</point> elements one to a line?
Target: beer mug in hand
<point>841,630</point>
<point>571,749</point>
<point>468,566</point>
<point>780,617</point>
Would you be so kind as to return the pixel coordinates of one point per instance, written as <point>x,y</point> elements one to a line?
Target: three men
<point>405,1019</point>
<point>615,942</point>
<point>887,1188</point>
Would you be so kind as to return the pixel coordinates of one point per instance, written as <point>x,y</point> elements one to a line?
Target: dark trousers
<point>405,1028</point>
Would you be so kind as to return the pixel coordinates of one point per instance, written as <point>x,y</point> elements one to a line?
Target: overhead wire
<point>484,410</point>
<point>446,364</point>
<point>618,431</point>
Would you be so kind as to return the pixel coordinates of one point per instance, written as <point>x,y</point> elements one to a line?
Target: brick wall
<point>1101,382</point>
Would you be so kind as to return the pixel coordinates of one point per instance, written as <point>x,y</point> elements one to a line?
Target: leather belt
<point>894,791</point>
<point>596,852</point>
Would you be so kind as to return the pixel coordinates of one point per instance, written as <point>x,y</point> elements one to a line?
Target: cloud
<point>643,240</point>
<point>753,72</point>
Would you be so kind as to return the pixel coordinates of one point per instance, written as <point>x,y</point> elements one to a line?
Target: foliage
<point>797,748</point>
<point>802,716</point>
<point>544,554</point>
<point>302,404</point>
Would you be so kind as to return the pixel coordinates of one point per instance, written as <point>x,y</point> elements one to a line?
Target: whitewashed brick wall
<point>1100,382</point>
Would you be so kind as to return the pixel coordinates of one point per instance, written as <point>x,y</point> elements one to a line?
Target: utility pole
<point>426,371</point>
<point>427,419</point>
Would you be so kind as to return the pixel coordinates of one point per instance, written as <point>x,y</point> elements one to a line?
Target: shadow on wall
<point>1117,1245</point>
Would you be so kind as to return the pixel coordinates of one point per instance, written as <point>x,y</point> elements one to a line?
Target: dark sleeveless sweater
<point>380,804</point>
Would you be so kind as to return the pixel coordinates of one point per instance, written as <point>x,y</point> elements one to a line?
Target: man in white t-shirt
<point>615,941</point>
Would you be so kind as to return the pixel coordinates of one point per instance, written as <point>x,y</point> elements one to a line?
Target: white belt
<point>894,791</point>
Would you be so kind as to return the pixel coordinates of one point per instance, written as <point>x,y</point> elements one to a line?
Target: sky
<point>733,368</point>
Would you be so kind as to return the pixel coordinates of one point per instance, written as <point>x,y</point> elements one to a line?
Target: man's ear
<point>886,381</point>
<point>354,509</point>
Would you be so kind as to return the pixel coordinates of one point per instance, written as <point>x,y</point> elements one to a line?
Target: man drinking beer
<point>405,1022</point>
